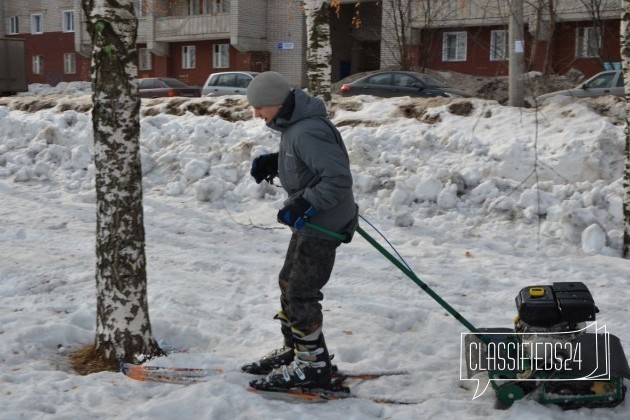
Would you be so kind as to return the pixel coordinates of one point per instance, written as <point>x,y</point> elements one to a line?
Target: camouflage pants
<point>307,268</point>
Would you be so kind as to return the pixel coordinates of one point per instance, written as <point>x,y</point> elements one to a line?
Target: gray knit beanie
<point>268,89</point>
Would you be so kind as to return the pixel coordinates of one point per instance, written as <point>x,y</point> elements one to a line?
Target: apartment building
<point>471,36</point>
<point>49,30</point>
<point>189,39</point>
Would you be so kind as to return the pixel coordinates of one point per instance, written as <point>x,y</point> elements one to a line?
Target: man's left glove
<point>297,213</point>
<point>265,168</point>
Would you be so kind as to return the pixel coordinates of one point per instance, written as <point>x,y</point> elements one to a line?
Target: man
<point>313,166</point>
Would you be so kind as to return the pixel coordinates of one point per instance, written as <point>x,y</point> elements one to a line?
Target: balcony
<point>191,28</point>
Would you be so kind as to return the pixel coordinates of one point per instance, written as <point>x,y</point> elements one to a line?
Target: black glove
<point>297,213</point>
<point>265,168</point>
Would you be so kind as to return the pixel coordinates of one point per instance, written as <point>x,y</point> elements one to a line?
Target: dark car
<point>157,87</point>
<point>388,84</point>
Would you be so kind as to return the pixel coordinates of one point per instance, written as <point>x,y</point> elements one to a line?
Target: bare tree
<point>411,23</point>
<point>594,8</point>
<point>398,13</point>
<point>123,329</point>
<point>625,62</point>
<point>430,13</point>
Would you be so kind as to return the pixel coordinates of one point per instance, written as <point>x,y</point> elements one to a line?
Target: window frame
<point>138,8</point>
<point>221,6</point>
<point>145,59</point>
<point>494,47</point>
<point>14,25</point>
<point>221,56</point>
<point>189,59</point>
<point>584,42</point>
<point>67,23</point>
<point>38,64</point>
<point>461,40</point>
<point>37,23</point>
<point>69,63</point>
<point>194,7</point>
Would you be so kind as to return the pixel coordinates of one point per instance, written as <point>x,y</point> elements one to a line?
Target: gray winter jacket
<point>313,162</point>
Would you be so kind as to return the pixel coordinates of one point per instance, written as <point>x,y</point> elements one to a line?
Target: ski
<point>185,375</point>
<point>177,375</point>
<point>191,375</point>
<point>322,395</point>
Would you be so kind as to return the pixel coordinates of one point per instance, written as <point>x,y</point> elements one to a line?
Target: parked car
<point>389,84</point>
<point>228,83</point>
<point>605,83</point>
<point>156,87</point>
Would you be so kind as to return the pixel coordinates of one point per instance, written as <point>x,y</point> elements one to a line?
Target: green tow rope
<point>405,270</point>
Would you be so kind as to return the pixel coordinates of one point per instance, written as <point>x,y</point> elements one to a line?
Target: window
<point>147,84</point>
<point>402,80</point>
<point>144,57</point>
<point>38,64</point>
<point>215,6</point>
<point>138,7</point>
<point>67,23</point>
<point>69,63</point>
<point>222,6</point>
<point>498,45</point>
<point>604,81</point>
<point>588,42</point>
<point>194,7</point>
<point>380,79</point>
<point>14,25</point>
<point>221,56</point>
<point>233,80</point>
<point>243,80</point>
<point>188,57</point>
<point>37,24</point>
<point>454,46</point>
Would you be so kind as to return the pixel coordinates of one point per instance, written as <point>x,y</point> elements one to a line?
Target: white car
<point>605,83</point>
<point>228,83</point>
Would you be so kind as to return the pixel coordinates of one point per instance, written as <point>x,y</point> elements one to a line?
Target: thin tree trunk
<point>123,329</point>
<point>625,61</point>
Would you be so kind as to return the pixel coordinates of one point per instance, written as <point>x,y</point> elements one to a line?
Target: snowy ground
<point>454,192</point>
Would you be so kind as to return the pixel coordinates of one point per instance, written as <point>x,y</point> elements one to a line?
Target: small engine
<point>559,308</point>
<point>553,315</point>
<point>551,356</point>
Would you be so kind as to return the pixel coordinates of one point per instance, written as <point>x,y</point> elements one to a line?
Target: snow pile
<point>411,161</point>
<point>482,200</point>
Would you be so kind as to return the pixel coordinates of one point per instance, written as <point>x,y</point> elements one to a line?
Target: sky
<point>481,200</point>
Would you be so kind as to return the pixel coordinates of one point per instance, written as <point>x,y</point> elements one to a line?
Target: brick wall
<point>285,21</point>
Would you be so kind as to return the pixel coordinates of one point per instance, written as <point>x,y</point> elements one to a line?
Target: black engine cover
<point>545,306</point>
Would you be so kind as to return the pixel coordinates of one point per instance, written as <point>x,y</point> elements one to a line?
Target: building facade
<point>471,36</point>
<point>189,39</point>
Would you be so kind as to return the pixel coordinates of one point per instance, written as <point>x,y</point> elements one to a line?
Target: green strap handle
<point>407,271</point>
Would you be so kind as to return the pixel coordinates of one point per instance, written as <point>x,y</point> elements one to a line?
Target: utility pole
<point>517,54</point>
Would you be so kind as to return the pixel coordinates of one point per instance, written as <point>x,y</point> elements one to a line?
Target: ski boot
<point>311,367</point>
<point>278,357</point>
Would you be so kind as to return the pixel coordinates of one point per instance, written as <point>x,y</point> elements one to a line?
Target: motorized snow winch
<point>555,354</point>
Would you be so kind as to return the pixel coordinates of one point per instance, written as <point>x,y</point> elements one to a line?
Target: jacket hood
<point>304,106</point>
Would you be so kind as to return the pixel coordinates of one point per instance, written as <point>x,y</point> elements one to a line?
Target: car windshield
<point>174,83</point>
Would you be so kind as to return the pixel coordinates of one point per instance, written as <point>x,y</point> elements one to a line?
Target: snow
<point>479,205</point>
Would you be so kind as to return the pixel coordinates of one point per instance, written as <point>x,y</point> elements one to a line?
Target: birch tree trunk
<point>625,61</point>
<point>123,329</point>
<point>318,50</point>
